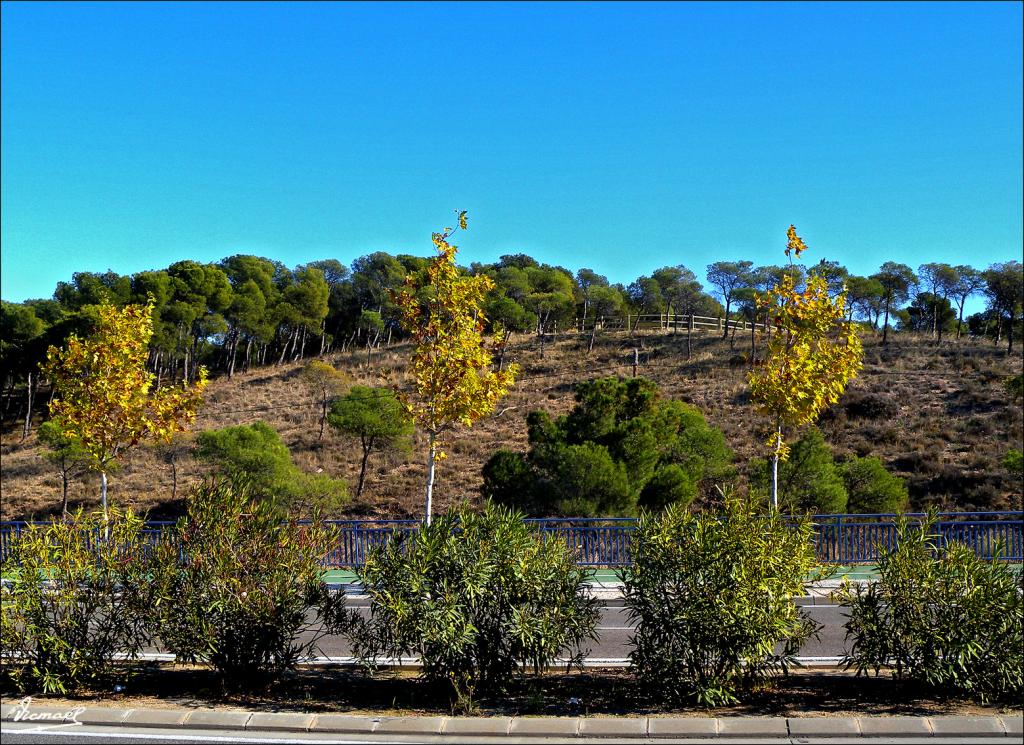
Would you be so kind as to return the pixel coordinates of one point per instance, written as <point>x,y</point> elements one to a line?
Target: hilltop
<point>938,416</point>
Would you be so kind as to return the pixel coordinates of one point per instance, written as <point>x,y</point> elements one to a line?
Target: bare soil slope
<point>938,416</point>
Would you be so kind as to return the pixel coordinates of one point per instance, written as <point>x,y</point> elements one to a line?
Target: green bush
<point>237,590</point>
<point>620,449</point>
<point>939,615</point>
<point>255,452</point>
<point>76,600</point>
<point>712,598</point>
<point>480,598</point>
<point>809,479</point>
<point>871,488</point>
<point>1013,462</point>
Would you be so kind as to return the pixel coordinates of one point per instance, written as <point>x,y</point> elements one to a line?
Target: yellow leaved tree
<point>452,381</point>
<point>102,400</point>
<point>809,361</point>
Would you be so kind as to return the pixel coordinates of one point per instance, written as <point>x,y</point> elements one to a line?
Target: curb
<point>638,728</point>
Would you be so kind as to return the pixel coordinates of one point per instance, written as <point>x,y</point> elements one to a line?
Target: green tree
<point>1004,286</point>
<point>256,455</point>
<point>727,277</point>
<point>620,449</point>
<point>102,398</point>
<point>451,381</point>
<point>969,281</point>
<point>376,417</point>
<point>866,296</point>
<point>65,453</point>
<point>871,488</point>
<point>896,281</point>
<point>21,344</point>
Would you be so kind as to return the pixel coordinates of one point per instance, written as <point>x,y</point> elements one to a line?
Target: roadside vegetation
<point>478,595</point>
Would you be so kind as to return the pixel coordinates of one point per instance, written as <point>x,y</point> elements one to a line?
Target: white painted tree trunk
<point>775,470</point>
<point>103,500</point>
<point>431,452</point>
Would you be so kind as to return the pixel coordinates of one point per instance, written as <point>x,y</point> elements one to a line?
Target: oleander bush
<point>237,586</point>
<point>75,605</point>
<point>480,598</point>
<point>712,598</point>
<point>939,615</point>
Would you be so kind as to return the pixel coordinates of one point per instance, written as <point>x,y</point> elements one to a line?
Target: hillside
<point>936,415</point>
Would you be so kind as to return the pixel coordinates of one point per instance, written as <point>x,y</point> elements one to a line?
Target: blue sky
<point>619,137</point>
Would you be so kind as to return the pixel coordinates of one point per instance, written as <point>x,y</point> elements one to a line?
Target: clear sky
<point>618,137</point>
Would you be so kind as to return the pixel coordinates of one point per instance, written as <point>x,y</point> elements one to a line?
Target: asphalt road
<point>614,632</point>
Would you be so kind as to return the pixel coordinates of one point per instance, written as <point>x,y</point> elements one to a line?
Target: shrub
<point>255,452</point>
<point>236,588</point>
<point>1013,462</point>
<point>480,598</point>
<point>871,488</point>
<point>809,479</point>
<point>869,405</point>
<point>580,480</point>
<point>1014,386</point>
<point>939,615</point>
<point>76,600</point>
<point>712,599</point>
<point>620,448</point>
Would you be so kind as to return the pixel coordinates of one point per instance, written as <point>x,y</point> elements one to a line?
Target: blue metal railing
<point>605,542</point>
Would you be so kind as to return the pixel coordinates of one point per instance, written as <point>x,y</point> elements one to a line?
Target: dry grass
<point>945,432</point>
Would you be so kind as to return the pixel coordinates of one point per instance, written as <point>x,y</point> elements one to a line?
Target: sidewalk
<point>624,728</point>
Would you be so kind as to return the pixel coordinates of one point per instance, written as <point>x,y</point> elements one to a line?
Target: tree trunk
<point>10,395</point>
<point>885,326</point>
<point>234,352</point>
<point>367,446</point>
<point>323,417</point>
<point>502,348</point>
<point>431,454</point>
<point>28,407</point>
<point>64,487</point>
<point>174,478</point>
<point>728,302</point>
<point>103,500</point>
<point>753,344</point>
<point>960,318</point>
<point>775,470</point>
